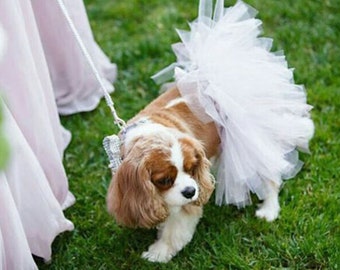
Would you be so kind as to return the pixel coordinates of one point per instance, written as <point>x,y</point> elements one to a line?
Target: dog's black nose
<point>189,192</point>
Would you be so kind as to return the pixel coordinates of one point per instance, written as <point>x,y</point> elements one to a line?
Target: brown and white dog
<point>164,179</point>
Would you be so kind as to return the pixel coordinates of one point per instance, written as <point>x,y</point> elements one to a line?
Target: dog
<point>164,179</point>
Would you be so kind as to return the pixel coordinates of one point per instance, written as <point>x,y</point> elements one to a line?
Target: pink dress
<point>42,73</point>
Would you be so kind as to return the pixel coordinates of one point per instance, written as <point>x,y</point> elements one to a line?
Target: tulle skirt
<point>249,92</point>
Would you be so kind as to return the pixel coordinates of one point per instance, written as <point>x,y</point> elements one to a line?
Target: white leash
<point>118,121</point>
<point>111,143</point>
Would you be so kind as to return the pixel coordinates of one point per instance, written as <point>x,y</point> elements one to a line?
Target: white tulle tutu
<point>249,92</point>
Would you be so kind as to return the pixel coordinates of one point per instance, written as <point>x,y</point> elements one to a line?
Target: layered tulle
<point>249,92</point>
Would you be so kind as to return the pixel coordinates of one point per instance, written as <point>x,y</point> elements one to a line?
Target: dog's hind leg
<point>270,208</point>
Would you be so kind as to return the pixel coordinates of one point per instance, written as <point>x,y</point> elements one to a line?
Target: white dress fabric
<point>227,72</point>
<point>42,72</point>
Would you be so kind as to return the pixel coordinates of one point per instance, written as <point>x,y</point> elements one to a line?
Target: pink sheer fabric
<point>42,72</point>
<point>68,67</point>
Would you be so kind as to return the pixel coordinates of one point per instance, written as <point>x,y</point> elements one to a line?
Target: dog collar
<point>128,128</point>
<point>112,144</point>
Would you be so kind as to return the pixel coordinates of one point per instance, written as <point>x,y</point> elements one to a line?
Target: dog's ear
<point>133,199</point>
<point>204,178</point>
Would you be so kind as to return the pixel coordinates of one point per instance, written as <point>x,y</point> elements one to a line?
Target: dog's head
<point>159,172</point>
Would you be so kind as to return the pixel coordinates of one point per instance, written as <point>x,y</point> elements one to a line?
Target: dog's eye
<point>167,181</point>
<point>164,183</point>
<point>164,178</point>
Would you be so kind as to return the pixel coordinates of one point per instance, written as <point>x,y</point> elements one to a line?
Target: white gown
<point>42,72</point>
<point>249,92</point>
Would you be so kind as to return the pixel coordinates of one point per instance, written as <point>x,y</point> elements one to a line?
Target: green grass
<point>137,35</point>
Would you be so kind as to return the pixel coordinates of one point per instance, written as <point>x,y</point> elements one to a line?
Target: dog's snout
<point>189,192</point>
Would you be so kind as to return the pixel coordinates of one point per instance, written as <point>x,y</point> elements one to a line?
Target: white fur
<point>177,156</point>
<point>270,208</point>
<point>152,129</point>
<point>174,196</point>
<point>178,229</point>
<point>175,233</point>
<point>146,129</point>
<point>174,102</point>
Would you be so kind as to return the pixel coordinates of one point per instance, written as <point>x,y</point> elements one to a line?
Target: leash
<point>111,143</point>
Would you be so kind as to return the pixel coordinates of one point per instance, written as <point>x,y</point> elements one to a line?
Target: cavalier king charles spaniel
<point>164,179</point>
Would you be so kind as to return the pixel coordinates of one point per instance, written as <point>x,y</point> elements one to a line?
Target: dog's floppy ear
<point>204,178</point>
<point>133,199</point>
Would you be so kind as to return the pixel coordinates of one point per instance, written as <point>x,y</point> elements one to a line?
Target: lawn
<point>137,35</point>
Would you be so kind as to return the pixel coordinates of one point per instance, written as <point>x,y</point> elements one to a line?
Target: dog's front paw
<point>158,252</point>
<point>269,212</point>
